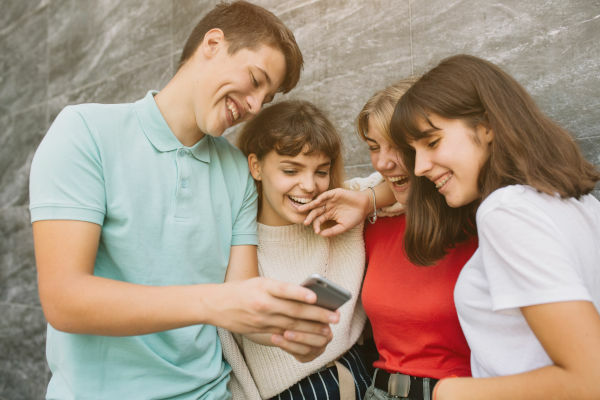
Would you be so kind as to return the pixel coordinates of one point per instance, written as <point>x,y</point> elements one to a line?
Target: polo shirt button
<point>184,183</point>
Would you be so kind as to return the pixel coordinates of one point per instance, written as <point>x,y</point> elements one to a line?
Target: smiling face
<point>288,182</point>
<point>386,160</point>
<point>232,88</point>
<point>451,155</point>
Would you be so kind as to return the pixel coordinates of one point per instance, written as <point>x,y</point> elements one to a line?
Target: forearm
<point>89,304</point>
<point>550,382</point>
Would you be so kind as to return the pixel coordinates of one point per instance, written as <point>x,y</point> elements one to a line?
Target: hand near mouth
<point>347,208</point>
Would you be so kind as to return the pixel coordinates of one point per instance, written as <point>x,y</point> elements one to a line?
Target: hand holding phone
<point>329,295</point>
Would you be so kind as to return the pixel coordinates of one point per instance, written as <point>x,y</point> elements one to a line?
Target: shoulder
<point>518,199</point>
<point>228,153</point>
<point>91,118</point>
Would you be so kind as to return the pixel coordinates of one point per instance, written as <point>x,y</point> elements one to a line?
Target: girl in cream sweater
<point>294,154</point>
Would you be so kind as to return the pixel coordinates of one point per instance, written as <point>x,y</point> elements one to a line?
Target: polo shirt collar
<point>157,130</point>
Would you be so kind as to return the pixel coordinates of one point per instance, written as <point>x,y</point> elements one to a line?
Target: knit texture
<point>291,253</point>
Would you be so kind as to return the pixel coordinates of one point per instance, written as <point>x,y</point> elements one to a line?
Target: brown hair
<point>290,127</point>
<point>380,107</point>
<point>248,26</point>
<point>528,147</point>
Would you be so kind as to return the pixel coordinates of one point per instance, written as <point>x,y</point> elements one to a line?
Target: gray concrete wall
<point>59,52</point>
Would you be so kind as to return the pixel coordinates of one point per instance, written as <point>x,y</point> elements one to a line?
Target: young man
<point>140,211</point>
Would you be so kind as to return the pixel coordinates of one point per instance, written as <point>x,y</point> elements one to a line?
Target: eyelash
<point>433,143</point>
<point>254,81</point>
<point>293,172</point>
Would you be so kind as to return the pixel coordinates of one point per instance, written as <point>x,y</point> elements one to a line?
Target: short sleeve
<point>66,179</point>
<point>526,258</point>
<point>244,226</point>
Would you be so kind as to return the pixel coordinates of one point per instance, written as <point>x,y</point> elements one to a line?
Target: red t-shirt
<point>411,307</point>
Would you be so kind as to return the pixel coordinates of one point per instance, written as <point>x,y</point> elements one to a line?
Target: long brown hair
<point>290,127</point>
<point>528,147</point>
<point>246,25</point>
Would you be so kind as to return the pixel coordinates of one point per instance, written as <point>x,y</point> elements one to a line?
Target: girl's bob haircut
<point>289,128</point>
<point>528,148</point>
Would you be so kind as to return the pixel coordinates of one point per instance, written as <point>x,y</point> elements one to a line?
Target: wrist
<point>372,216</point>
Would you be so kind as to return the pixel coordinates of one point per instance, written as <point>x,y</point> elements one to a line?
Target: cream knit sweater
<point>291,253</point>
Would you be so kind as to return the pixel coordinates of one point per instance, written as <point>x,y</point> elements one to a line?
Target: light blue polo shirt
<point>169,215</point>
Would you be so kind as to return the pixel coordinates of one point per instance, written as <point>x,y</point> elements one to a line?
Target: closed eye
<point>433,143</point>
<point>254,81</point>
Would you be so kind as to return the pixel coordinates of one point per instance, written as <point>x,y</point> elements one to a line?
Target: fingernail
<point>290,335</point>
<point>332,318</point>
<point>276,339</point>
<point>325,331</point>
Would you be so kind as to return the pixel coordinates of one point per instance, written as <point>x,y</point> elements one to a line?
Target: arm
<point>570,335</point>
<point>76,301</point>
<point>347,208</point>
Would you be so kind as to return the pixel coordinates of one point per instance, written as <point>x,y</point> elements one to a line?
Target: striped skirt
<point>323,384</point>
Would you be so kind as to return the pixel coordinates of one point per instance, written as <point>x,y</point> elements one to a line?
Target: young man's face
<point>235,86</point>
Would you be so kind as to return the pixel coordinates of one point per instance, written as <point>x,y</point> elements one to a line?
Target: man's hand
<point>265,305</point>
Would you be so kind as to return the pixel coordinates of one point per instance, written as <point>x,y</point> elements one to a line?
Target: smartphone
<point>329,294</point>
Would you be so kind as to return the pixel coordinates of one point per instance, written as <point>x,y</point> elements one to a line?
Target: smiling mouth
<point>300,200</point>
<point>233,110</point>
<point>443,180</point>
<point>398,181</point>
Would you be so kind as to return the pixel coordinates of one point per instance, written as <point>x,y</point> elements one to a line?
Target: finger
<point>321,219</point>
<point>293,303</point>
<point>290,291</point>
<point>307,339</point>
<point>319,201</point>
<point>333,230</point>
<point>280,323</point>
<point>301,352</point>
<point>313,214</point>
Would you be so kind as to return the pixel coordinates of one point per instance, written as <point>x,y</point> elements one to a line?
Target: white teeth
<point>302,200</point>
<point>443,181</point>
<point>231,106</point>
<point>396,178</point>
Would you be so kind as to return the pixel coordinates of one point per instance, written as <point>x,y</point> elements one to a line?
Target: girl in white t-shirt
<point>484,156</point>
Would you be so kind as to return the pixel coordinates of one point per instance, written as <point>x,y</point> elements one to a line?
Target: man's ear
<point>254,166</point>
<point>213,41</point>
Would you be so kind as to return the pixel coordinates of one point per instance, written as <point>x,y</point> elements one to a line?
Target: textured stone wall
<point>59,52</point>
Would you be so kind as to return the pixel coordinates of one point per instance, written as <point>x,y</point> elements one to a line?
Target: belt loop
<point>426,389</point>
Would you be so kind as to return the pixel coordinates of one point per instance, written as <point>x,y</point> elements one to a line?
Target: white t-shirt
<point>533,249</point>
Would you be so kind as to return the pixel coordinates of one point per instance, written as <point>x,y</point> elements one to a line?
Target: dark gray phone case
<point>329,294</point>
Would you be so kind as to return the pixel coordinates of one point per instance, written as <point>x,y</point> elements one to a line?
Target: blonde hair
<point>380,108</point>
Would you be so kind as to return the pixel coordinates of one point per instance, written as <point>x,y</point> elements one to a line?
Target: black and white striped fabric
<point>323,385</point>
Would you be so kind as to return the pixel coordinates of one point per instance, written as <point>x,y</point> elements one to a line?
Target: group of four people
<point>147,240</point>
